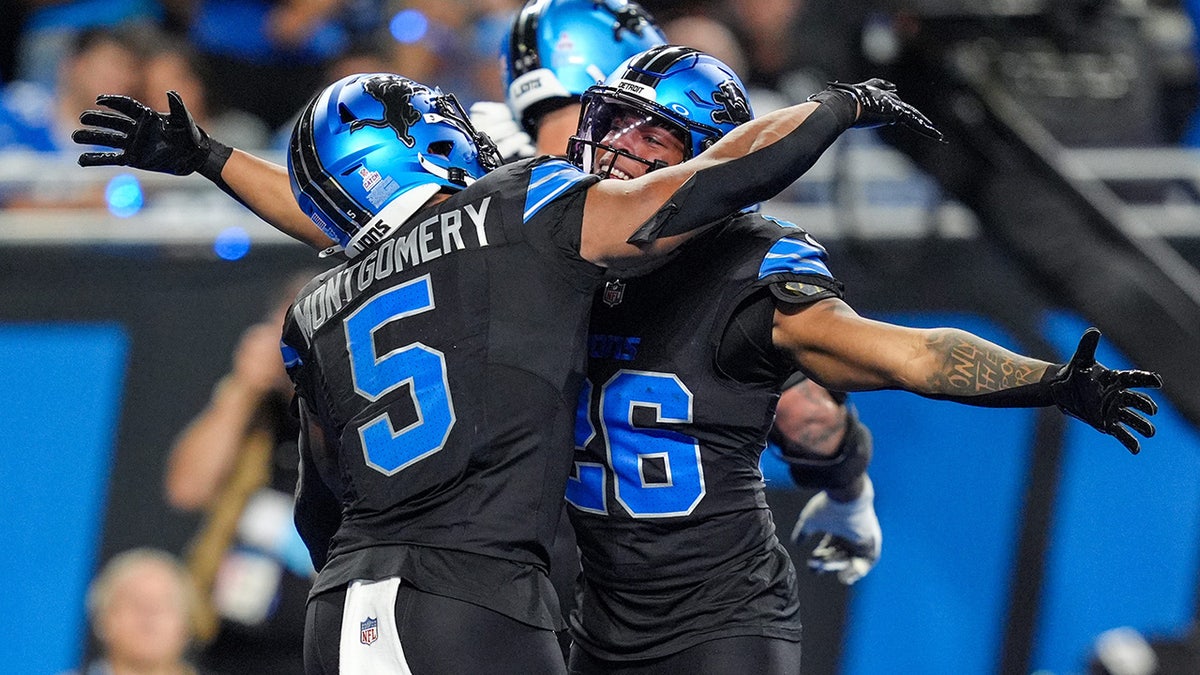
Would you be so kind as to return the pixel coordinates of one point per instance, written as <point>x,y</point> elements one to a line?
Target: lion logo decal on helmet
<point>395,94</point>
<point>734,108</point>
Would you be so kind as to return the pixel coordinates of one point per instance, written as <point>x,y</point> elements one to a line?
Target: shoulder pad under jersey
<point>550,179</point>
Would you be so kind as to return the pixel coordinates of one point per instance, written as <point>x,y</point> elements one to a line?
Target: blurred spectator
<point>265,57</point>
<point>489,28</point>
<point>173,64</point>
<point>366,55</point>
<point>41,118</point>
<point>795,46</point>
<point>238,459</point>
<point>37,118</point>
<point>362,57</point>
<point>453,44</point>
<point>140,609</point>
<point>51,26</point>
<point>709,36</point>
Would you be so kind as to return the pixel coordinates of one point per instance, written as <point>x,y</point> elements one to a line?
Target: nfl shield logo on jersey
<point>614,292</point>
<point>368,631</point>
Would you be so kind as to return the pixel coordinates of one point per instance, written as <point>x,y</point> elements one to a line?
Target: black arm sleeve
<point>724,189</point>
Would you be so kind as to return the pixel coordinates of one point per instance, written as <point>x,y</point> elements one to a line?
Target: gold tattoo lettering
<point>973,366</point>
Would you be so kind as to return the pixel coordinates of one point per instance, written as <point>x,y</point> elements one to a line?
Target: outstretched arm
<point>264,188</point>
<point>845,351</point>
<point>172,143</point>
<point>754,162</point>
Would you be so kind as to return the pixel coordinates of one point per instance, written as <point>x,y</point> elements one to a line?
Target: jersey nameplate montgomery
<point>442,234</point>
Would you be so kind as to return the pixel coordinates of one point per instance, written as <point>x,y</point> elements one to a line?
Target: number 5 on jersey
<point>422,368</point>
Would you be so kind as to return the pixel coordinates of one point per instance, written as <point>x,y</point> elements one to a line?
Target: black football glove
<point>880,105</point>
<point>149,140</point>
<point>1101,397</point>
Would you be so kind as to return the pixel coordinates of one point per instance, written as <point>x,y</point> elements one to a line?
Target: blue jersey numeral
<point>385,448</point>
<point>657,472</point>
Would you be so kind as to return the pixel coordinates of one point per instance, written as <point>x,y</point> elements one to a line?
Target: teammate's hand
<point>851,539</point>
<point>496,120</point>
<point>1102,397</point>
<point>880,105</point>
<point>144,138</point>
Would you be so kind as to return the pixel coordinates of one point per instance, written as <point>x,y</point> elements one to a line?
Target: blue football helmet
<point>558,48</point>
<point>692,94</point>
<point>372,148</point>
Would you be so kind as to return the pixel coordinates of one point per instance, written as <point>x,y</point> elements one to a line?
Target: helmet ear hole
<point>344,114</point>
<point>440,148</point>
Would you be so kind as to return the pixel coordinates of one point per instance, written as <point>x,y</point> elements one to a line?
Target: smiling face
<point>641,136</point>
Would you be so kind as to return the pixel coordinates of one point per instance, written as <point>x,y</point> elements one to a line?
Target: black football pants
<point>439,635</point>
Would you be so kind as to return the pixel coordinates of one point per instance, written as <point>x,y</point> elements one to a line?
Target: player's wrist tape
<point>214,161</point>
<point>214,164</point>
<point>836,472</point>
<point>720,191</point>
<point>841,103</point>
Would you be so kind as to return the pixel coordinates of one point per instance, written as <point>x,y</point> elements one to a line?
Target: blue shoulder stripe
<point>291,357</point>
<point>547,181</point>
<point>796,256</point>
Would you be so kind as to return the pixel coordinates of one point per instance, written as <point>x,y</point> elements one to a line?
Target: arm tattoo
<point>971,365</point>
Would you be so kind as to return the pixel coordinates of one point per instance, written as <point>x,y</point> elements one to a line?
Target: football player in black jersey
<point>682,568</point>
<point>817,433</point>
<point>438,367</point>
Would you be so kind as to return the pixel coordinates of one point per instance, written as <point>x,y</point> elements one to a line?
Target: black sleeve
<point>746,352</point>
<point>727,188</point>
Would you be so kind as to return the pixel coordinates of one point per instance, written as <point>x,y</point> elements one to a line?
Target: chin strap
<point>453,174</point>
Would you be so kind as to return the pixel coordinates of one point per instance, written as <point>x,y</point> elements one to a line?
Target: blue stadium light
<point>408,26</point>
<point>123,194</point>
<point>232,244</point>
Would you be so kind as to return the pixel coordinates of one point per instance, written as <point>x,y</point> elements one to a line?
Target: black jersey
<point>667,498</point>
<point>444,365</point>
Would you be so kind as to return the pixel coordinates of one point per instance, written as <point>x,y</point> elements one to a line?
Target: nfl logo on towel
<point>369,631</point>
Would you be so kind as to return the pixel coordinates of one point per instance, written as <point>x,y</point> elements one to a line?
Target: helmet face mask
<point>687,91</point>
<point>623,130</point>
<point>379,142</point>
<point>556,49</point>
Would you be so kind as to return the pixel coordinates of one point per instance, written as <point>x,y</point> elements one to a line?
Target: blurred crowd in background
<point>245,67</point>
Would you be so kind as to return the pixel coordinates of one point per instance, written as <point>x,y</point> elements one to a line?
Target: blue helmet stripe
<point>794,256</point>
<point>547,181</point>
